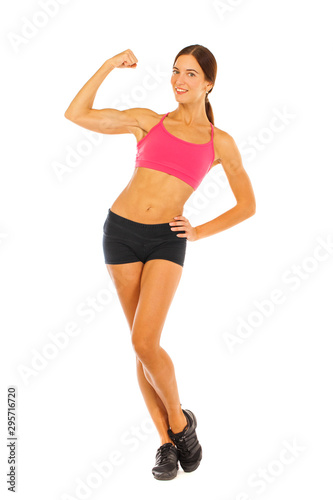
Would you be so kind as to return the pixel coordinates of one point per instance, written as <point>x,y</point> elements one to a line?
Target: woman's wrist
<point>110,64</point>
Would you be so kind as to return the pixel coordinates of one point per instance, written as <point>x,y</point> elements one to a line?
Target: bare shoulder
<point>226,149</point>
<point>141,115</point>
<point>145,118</point>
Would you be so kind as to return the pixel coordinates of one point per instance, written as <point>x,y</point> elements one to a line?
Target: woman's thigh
<point>145,292</point>
<point>158,285</point>
<point>127,279</point>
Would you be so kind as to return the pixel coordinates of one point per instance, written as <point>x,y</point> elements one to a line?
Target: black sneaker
<point>166,466</point>
<point>190,451</point>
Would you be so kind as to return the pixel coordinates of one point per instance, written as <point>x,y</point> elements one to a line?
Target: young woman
<point>145,234</point>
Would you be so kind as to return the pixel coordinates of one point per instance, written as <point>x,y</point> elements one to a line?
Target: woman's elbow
<point>251,205</point>
<point>253,208</point>
<point>67,114</point>
<point>248,208</point>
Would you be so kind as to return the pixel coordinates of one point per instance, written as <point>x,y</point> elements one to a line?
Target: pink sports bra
<point>160,150</point>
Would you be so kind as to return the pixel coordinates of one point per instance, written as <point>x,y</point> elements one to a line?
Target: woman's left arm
<point>241,187</point>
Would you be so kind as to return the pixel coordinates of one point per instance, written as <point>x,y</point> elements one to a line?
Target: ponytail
<point>209,109</point>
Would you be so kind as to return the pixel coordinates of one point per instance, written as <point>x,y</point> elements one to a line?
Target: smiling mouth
<point>181,91</point>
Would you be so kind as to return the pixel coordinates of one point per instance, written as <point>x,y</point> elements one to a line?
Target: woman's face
<point>188,75</point>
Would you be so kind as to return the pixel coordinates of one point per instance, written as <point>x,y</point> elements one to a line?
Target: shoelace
<point>162,455</point>
<point>182,445</point>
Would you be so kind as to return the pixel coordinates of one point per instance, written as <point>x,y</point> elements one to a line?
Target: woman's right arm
<point>107,121</point>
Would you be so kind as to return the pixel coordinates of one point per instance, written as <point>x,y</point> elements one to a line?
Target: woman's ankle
<point>165,440</point>
<point>178,423</point>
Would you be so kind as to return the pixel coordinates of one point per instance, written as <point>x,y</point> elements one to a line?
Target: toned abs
<point>152,197</point>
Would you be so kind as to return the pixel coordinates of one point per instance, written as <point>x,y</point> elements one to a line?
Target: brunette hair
<point>208,64</point>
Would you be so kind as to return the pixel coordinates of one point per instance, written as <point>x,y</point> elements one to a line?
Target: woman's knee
<point>145,349</point>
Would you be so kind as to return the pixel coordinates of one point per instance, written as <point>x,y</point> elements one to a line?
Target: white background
<point>270,385</point>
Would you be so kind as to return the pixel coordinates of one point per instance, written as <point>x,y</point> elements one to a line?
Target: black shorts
<point>125,240</point>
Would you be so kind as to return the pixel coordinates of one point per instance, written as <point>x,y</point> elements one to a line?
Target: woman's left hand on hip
<point>182,224</point>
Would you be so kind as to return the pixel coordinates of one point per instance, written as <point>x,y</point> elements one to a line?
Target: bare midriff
<point>152,197</point>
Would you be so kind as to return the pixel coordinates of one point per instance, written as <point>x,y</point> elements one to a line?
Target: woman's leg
<point>126,278</point>
<point>159,282</point>
<point>154,404</point>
